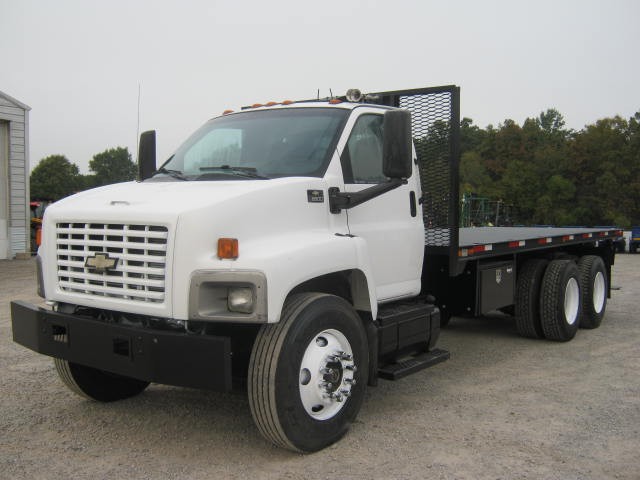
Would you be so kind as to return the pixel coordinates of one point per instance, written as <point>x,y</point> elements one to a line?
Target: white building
<point>14,177</point>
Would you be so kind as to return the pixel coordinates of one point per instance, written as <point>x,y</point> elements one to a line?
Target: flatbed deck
<point>489,241</point>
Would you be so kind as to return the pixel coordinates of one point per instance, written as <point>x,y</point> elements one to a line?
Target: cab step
<point>396,371</point>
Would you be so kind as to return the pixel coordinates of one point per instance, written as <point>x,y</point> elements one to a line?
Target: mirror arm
<point>339,201</point>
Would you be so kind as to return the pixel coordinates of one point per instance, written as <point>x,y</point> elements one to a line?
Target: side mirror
<point>396,149</point>
<point>147,154</point>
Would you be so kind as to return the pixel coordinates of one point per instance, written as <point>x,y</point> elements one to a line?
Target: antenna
<point>138,127</point>
<point>318,94</point>
<point>330,94</point>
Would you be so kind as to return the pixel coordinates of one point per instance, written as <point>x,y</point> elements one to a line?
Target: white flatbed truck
<point>300,249</point>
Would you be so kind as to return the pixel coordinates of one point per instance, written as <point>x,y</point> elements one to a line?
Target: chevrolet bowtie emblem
<point>101,262</point>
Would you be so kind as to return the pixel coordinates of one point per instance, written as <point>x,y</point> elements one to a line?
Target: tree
<point>112,166</point>
<point>53,178</point>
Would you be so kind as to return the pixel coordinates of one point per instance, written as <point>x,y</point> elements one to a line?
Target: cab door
<point>390,223</point>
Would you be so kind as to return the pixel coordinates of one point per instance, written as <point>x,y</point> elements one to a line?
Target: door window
<point>362,156</point>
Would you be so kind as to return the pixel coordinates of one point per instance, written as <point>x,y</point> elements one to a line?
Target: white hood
<point>156,201</point>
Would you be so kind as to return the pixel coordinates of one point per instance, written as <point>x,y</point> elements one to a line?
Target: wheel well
<point>348,284</point>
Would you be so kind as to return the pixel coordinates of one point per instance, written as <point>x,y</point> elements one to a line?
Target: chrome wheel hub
<point>326,374</point>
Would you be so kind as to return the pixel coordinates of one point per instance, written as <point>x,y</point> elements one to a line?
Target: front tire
<point>97,384</point>
<point>307,373</point>
<point>560,301</point>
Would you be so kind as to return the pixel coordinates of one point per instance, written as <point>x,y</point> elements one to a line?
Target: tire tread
<point>550,302</point>
<point>261,386</point>
<point>527,308</point>
<point>585,265</point>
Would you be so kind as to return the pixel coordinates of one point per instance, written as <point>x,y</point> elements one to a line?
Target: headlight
<point>240,299</point>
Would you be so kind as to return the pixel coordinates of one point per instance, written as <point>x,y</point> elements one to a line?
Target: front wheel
<point>307,373</point>
<point>97,384</point>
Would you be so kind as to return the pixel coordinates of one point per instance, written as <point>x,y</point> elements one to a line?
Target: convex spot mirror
<point>397,151</point>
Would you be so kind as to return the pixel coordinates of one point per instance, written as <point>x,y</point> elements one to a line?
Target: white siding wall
<point>18,224</point>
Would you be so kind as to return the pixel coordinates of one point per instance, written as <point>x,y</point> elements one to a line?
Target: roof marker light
<point>227,112</point>
<point>335,101</point>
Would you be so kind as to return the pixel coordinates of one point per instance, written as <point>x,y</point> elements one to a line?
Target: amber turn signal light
<point>228,248</point>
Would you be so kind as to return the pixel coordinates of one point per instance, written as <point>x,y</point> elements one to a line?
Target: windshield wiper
<point>246,172</point>
<point>172,173</point>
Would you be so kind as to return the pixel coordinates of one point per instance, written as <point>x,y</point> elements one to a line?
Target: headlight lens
<point>240,299</point>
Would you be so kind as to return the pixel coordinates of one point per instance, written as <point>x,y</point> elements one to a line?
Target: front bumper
<point>172,358</point>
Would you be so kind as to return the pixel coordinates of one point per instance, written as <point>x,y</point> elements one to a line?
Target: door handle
<point>412,203</point>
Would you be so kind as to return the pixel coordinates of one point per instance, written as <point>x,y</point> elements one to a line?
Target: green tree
<point>53,178</point>
<point>602,170</point>
<point>114,165</point>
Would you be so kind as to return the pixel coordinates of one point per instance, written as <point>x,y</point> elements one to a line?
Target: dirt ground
<point>503,407</point>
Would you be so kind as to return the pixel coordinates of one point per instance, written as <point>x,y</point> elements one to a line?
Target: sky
<point>79,64</point>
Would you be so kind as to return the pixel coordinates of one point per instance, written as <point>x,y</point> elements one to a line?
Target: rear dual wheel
<point>527,307</point>
<point>593,283</point>
<point>560,301</point>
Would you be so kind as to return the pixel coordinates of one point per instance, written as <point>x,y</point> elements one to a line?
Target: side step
<point>396,371</point>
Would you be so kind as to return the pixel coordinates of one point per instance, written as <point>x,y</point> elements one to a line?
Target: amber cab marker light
<point>227,112</point>
<point>228,248</point>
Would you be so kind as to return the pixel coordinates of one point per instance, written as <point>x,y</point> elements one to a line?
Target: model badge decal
<point>101,262</point>
<point>499,276</point>
<point>315,196</point>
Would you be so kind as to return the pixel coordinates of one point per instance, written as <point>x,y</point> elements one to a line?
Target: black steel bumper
<point>172,358</point>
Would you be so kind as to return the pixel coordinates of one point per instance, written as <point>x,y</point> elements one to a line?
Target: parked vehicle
<point>303,250</point>
<point>37,212</point>
<point>634,241</point>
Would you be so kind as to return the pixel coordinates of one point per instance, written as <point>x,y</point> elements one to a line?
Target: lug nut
<point>350,381</point>
<point>345,392</point>
<point>351,367</point>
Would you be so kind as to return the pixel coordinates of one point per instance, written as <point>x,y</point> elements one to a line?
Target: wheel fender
<point>307,257</point>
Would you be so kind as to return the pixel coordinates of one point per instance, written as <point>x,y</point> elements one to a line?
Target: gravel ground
<point>503,407</point>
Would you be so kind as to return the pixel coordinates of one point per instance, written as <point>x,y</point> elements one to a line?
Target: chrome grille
<point>141,251</point>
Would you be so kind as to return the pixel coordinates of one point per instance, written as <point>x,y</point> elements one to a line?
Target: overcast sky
<point>78,64</point>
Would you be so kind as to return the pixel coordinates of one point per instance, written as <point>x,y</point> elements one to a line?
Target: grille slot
<point>141,252</point>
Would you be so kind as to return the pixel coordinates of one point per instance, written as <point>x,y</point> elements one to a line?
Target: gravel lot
<point>502,407</point>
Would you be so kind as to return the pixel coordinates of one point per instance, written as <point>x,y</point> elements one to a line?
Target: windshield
<point>259,144</point>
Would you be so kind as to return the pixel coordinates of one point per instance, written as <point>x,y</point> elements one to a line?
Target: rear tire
<point>97,384</point>
<point>527,308</point>
<point>593,283</point>
<point>301,365</point>
<point>560,301</point>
